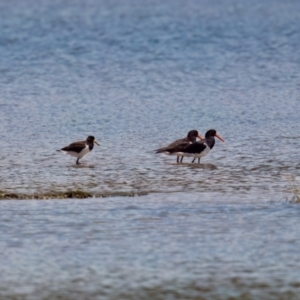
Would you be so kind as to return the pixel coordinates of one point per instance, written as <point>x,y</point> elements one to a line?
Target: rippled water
<point>138,75</point>
<point>178,246</point>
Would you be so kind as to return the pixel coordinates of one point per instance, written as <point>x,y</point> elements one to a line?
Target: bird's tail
<point>161,150</point>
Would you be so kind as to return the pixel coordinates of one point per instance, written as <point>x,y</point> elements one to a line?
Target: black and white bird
<point>80,148</point>
<point>176,147</point>
<point>203,147</point>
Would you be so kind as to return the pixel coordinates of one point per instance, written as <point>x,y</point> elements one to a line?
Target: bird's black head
<point>213,133</point>
<point>91,139</point>
<point>193,134</point>
<point>210,132</point>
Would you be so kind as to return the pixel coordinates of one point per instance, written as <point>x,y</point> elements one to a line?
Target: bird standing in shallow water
<point>176,147</point>
<point>202,148</point>
<point>81,148</point>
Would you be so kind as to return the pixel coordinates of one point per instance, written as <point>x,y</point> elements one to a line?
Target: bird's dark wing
<point>176,146</point>
<point>197,147</point>
<point>75,147</point>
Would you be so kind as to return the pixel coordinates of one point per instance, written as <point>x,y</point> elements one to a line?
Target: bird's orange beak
<point>219,138</point>
<point>95,142</point>
<point>200,137</point>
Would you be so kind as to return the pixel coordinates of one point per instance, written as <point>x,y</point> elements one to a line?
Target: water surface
<point>176,246</point>
<point>137,76</point>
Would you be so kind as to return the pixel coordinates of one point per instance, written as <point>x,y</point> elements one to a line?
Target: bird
<point>80,148</point>
<point>203,147</point>
<point>176,147</point>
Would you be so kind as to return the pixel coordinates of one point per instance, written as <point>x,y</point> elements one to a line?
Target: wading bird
<point>176,147</point>
<point>203,147</point>
<point>81,148</point>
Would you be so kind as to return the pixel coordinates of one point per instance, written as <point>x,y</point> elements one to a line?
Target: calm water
<point>138,75</point>
<point>175,246</point>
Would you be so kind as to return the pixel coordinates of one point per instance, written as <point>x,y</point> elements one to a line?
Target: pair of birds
<point>182,147</point>
<point>190,148</point>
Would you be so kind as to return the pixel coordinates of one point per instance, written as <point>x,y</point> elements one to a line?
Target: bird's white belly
<point>80,154</point>
<point>196,155</point>
<point>175,153</point>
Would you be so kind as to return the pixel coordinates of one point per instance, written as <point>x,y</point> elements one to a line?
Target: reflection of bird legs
<point>194,160</point>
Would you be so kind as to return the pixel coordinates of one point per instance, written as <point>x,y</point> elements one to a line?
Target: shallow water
<point>138,76</point>
<point>176,246</point>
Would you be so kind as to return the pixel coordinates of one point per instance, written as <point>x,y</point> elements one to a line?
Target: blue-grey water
<point>138,75</point>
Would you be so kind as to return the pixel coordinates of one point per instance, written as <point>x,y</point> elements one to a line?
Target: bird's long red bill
<point>96,142</point>
<point>200,137</point>
<point>219,138</point>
